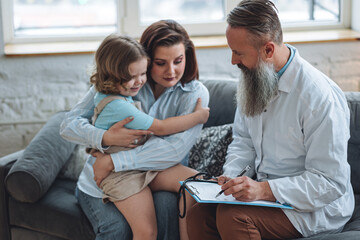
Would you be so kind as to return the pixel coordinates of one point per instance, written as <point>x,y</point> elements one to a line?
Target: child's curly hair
<point>112,60</point>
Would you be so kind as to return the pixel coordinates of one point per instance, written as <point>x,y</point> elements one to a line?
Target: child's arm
<point>180,123</point>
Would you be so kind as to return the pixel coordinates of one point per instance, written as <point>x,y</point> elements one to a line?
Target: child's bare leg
<point>168,180</point>
<point>139,212</point>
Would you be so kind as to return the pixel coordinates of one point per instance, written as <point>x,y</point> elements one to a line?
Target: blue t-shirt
<point>118,110</point>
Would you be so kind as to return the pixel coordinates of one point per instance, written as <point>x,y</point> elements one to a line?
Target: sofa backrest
<point>222,101</point>
<point>353,99</point>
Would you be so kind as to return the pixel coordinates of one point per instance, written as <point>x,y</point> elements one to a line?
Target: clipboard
<point>205,192</point>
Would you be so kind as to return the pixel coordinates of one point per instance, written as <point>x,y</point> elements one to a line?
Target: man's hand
<point>118,135</point>
<point>246,189</point>
<point>102,167</point>
<point>223,179</point>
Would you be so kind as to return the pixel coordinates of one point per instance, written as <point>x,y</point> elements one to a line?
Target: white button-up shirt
<point>299,145</point>
<point>157,153</point>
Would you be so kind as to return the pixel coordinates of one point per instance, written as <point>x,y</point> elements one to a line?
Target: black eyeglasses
<point>199,177</point>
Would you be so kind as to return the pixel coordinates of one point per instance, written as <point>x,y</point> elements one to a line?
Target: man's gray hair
<point>260,18</point>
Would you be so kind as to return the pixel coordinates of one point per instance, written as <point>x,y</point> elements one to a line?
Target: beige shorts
<point>121,185</point>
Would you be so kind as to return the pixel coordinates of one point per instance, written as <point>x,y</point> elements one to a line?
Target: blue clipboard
<point>205,192</point>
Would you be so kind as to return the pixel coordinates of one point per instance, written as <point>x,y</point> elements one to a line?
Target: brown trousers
<point>231,222</point>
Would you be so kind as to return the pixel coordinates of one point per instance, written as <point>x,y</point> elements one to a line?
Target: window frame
<point>127,23</point>
<point>7,8</point>
<point>133,28</point>
<point>345,21</point>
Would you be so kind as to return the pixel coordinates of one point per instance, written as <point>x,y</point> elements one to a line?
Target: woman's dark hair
<point>260,18</point>
<point>112,60</point>
<point>168,33</point>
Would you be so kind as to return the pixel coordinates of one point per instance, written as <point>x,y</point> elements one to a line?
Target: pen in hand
<point>247,168</point>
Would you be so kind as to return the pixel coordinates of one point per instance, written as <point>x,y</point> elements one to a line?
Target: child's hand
<point>202,112</point>
<point>102,166</point>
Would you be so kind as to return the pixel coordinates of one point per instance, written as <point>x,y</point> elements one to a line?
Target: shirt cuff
<point>124,160</point>
<point>276,194</point>
<point>98,136</point>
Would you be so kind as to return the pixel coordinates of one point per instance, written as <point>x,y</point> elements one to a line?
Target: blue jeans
<point>108,223</point>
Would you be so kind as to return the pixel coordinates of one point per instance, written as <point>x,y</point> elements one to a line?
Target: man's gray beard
<point>256,88</point>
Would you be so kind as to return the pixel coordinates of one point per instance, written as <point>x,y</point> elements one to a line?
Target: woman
<point>171,90</point>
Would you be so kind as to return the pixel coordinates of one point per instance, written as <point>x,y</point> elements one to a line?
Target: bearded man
<point>292,128</point>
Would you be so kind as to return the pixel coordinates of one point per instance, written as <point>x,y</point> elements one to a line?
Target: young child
<point>121,65</point>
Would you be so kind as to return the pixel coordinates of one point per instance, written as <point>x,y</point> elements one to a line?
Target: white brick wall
<point>34,88</point>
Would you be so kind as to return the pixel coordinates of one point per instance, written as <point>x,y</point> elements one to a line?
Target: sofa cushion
<point>57,214</point>
<point>354,223</point>
<point>209,152</point>
<point>36,169</point>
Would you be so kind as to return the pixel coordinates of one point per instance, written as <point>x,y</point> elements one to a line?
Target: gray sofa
<point>38,202</point>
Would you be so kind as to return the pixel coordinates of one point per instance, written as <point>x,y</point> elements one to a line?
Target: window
<point>314,14</point>
<point>199,17</point>
<point>44,19</point>
<point>56,20</point>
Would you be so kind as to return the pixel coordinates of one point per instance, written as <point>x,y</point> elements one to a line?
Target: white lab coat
<point>299,145</point>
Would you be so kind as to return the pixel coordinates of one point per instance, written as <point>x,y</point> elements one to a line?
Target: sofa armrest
<point>10,158</point>
<point>5,164</point>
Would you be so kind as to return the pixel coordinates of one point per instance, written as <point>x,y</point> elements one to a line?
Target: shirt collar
<point>285,84</point>
<point>292,54</point>
<point>188,87</point>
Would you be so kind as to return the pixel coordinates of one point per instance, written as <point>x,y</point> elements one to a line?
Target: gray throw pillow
<point>209,152</point>
<point>33,173</point>
<point>75,164</point>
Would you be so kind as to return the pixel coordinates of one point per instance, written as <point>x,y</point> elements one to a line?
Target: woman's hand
<point>203,113</point>
<point>118,135</point>
<point>102,167</point>
<point>246,189</point>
